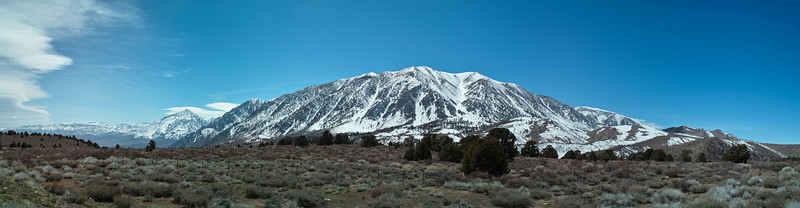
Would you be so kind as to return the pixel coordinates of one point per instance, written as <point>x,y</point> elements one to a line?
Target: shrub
<point>701,158</point>
<point>190,198</point>
<point>451,153</point>
<point>685,156</point>
<point>530,149</point>
<point>160,190</point>
<point>369,141</point>
<point>485,154</point>
<point>738,154</point>
<point>512,198</point>
<point>74,196</point>
<point>256,192</point>
<point>123,202</point>
<point>385,189</point>
<point>668,196</point>
<point>618,200</point>
<point>706,202</point>
<point>607,155</point>
<point>572,154</point>
<point>307,198</point>
<point>388,201</point>
<point>102,193</point>
<point>55,188</point>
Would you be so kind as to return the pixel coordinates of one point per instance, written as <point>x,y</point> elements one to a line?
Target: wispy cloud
<point>172,73</point>
<point>217,109</point>
<point>27,29</point>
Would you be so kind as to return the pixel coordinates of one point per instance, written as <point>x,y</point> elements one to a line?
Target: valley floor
<point>353,176</point>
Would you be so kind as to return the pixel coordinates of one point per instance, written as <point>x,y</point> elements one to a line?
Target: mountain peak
<point>185,112</point>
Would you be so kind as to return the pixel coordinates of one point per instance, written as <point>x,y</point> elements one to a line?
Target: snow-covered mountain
<point>409,102</point>
<point>165,131</point>
<point>172,127</point>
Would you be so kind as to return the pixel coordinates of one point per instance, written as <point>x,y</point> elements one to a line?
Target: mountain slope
<point>403,103</point>
<point>172,127</point>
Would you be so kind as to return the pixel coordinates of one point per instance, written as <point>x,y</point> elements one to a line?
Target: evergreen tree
<point>686,155</point>
<point>591,156</point>
<point>151,146</point>
<point>550,152</point>
<point>451,153</point>
<point>423,152</point>
<point>440,142</point>
<point>485,154</point>
<point>659,155</point>
<point>301,141</point>
<point>507,140</point>
<point>326,139</point>
<point>607,155</point>
<point>115,147</point>
<point>410,155</point>
<point>1,144</point>
<point>13,145</point>
<point>701,157</point>
<point>572,154</point>
<point>285,141</point>
<point>429,140</point>
<point>737,153</point>
<point>530,149</point>
<point>648,154</point>
<point>369,141</point>
<point>341,139</point>
<point>467,140</point>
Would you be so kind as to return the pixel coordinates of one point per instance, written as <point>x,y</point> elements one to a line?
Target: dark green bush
<point>507,141</point>
<point>738,154</point>
<point>341,139</point>
<point>485,154</point>
<point>369,141</point>
<point>301,141</point>
<point>410,155</point>
<point>530,149</point>
<point>326,139</point>
<point>451,153</point>
<point>549,152</point>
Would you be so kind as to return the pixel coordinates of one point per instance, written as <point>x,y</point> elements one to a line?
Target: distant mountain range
<point>417,100</point>
<point>165,131</point>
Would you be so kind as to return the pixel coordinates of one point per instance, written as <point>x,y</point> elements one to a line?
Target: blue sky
<point>730,65</point>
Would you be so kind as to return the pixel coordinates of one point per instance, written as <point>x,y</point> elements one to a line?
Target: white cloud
<point>218,109</point>
<point>27,29</point>
<point>171,73</point>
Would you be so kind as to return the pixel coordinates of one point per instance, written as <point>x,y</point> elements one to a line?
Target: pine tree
<point>116,147</point>
<point>591,156</point>
<point>285,141</point>
<point>301,141</point>
<point>151,146</point>
<point>530,149</point>
<point>669,158</point>
<point>550,152</point>
<point>440,142</point>
<point>467,140</point>
<point>572,154</point>
<point>507,140</point>
<point>341,139</point>
<point>659,155</point>
<point>423,152</point>
<point>485,154</point>
<point>737,153</point>
<point>326,139</point>
<point>369,141</point>
<point>608,155</point>
<point>410,155</point>
<point>451,153</point>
